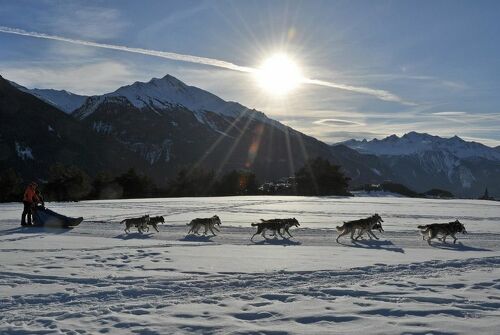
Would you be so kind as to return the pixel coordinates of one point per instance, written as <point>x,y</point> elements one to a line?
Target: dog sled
<point>44,217</point>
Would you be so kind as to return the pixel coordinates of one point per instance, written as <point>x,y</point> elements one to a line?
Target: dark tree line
<point>318,177</point>
<point>70,183</point>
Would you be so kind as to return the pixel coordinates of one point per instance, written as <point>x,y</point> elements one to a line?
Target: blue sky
<point>443,56</point>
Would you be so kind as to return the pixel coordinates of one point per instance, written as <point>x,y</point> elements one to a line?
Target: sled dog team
<point>281,226</point>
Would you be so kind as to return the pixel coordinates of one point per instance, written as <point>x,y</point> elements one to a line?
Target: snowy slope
<point>96,279</point>
<point>62,99</point>
<point>414,143</point>
<point>169,92</point>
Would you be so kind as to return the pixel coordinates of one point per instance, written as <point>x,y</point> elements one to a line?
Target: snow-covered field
<point>96,279</point>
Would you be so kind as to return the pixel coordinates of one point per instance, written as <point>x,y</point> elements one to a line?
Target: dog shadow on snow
<point>375,245</point>
<point>197,238</point>
<point>277,241</point>
<point>456,247</point>
<point>135,235</point>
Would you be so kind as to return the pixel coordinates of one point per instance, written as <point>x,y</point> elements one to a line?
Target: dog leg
<point>344,232</point>
<point>288,233</point>
<point>156,228</point>
<point>361,231</point>
<point>431,236</point>
<point>352,234</point>
<point>372,234</point>
<point>454,238</point>
<point>214,234</point>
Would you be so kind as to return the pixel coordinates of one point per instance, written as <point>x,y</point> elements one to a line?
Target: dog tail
<point>123,221</point>
<point>255,224</point>
<point>340,228</point>
<point>423,227</point>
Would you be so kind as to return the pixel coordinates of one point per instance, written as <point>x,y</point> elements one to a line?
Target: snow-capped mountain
<point>164,125</point>
<point>35,135</point>
<point>62,99</point>
<point>423,161</point>
<point>168,93</point>
<point>414,143</point>
<point>172,124</point>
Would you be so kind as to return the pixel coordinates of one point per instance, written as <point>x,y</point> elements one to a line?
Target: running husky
<point>443,229</point>
<point>154,221</point>
<point>140,223</point>
<point>275,225</point>
<point>377,226</point>
<point>362,225</point>
<point>207,223</point>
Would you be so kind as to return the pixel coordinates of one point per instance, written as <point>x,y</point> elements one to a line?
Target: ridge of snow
<point>415,143</point>
<point>61,99</point>
<point>169,92</point>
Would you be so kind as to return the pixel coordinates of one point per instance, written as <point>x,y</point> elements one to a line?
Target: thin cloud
<point>380,94</point>
<point>161,54</point>
<point>449,113</point>
<point>337,122</point>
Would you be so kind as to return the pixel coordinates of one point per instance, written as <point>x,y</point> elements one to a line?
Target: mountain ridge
<point>62,99</point>
<point>413,142</point>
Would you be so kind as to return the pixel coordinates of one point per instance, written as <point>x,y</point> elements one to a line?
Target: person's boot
<point>23,220</point>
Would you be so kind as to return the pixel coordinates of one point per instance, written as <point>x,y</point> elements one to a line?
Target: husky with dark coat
<point>443,229</point>
<point>154,221</point>
<point>276,225</point>
<point>362,226</point>
<point>141,223</point>
<point>377,226</point>
<point>207,223</point>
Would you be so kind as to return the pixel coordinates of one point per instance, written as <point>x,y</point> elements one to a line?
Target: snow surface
<point>97,279</point>
<point>23,152</point>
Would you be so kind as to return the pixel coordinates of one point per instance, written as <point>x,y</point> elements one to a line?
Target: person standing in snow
<point>30,199</point>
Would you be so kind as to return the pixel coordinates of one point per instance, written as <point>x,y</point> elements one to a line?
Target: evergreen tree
<point>105,186</point>
<point>319,177</point>
<point>237,183</point>
<point>67,183</point>
<point>134,185</point>
<point>11,187</point>
<point>191,182</point>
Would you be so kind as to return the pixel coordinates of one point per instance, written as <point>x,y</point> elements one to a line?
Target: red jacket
<point>30,195</point>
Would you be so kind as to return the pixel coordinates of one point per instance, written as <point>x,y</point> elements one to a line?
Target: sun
<point>279,74</point>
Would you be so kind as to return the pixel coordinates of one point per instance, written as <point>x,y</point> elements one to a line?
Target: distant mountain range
<point>422,161</point>
<point>162,125</point>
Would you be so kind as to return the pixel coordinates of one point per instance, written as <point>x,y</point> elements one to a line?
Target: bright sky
<point>384,66</point>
